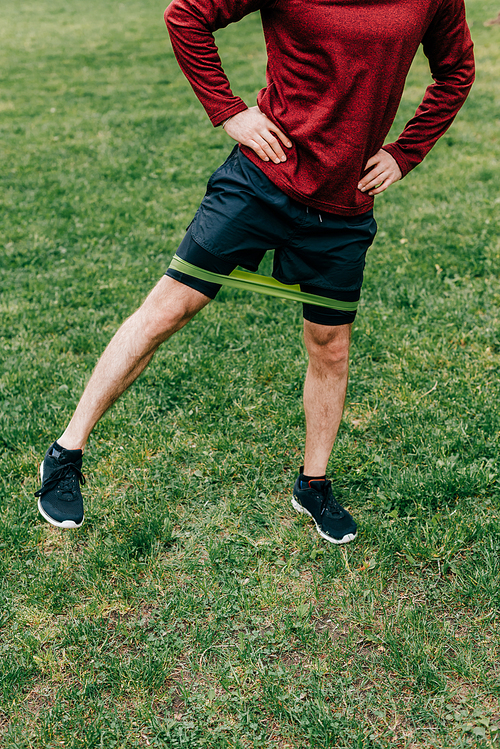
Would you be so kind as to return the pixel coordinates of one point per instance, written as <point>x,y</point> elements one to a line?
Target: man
<point>302,182</point>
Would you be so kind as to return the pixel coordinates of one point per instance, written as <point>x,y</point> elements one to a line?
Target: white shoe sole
<point>345,540</point>
<point>65,523</point>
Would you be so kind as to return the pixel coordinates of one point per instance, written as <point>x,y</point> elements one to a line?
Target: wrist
<point>226,121</point>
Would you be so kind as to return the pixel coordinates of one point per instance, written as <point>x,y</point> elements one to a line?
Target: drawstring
<point>319,214</point>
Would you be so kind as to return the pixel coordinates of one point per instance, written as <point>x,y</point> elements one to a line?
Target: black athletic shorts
<point>243,214</point>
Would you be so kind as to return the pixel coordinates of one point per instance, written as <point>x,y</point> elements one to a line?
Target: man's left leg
<point>324,390</point>
<point>324,396</point>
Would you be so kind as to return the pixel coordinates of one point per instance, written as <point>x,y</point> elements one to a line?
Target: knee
<point>328,346</point>
<point>167,309</point>
<point>334,354</point>
<point>157,324</point>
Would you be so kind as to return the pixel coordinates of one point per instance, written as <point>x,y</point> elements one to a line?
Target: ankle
<point>313,472</point>
<point>306,479</point>
<point>312,477</point>
<point>71,444</point>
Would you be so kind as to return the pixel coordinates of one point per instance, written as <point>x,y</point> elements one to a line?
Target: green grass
<point>193,608</point>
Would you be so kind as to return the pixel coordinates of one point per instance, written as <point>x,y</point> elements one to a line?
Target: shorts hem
<point>204,287</point>
<point>324,316</point>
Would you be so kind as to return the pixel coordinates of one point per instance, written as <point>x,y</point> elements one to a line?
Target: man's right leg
<point>241,216</point>
<point>167,309</point>
<point>169,306</point>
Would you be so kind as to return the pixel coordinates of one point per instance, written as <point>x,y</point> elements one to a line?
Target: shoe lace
<point>329,504</point>
<point>63,477</point>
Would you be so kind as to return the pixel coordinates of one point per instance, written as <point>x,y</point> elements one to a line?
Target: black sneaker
<point>60,499</point>
<point>315,498</point>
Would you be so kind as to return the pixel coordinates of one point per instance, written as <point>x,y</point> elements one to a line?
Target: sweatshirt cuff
<point>397,154</point>
<point>224,114</point>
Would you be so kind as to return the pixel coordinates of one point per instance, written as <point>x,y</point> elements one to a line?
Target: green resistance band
<point>240,279</point>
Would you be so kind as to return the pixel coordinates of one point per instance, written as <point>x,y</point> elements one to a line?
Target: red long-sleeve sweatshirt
<point>335,76</point>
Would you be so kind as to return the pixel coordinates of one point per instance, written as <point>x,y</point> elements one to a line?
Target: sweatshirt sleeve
<point>447,45</point>
<point>191,24</point>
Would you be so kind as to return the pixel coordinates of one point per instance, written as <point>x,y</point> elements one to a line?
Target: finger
<point>275,145</point>
<point>381,188</point>
<point>371,179</point>
<point>388,181</point>
<point>283,138</point>
<point>263,149</point>
<point>373,161</point>
<point>267,148</point>
<point>257,148</point>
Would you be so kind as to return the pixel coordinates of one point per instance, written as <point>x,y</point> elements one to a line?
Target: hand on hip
<point>253,129</point>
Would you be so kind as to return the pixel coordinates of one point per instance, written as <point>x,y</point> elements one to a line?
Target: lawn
<point>194,608</point>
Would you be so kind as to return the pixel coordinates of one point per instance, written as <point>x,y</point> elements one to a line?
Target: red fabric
<point>335,77</point>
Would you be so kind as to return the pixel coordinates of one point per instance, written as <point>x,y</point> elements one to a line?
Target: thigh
<point>169,297</point>
<point>196,255</point>
<point>327,258</point>
<point>239,218</point>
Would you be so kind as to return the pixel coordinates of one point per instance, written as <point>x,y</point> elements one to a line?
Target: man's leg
<point>324,390</point>
<point>167,309</point>
<point>324,395</point>
<point>169,306</point>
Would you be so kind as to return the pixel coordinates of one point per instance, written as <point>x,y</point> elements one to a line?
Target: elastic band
<point>240,279</point>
